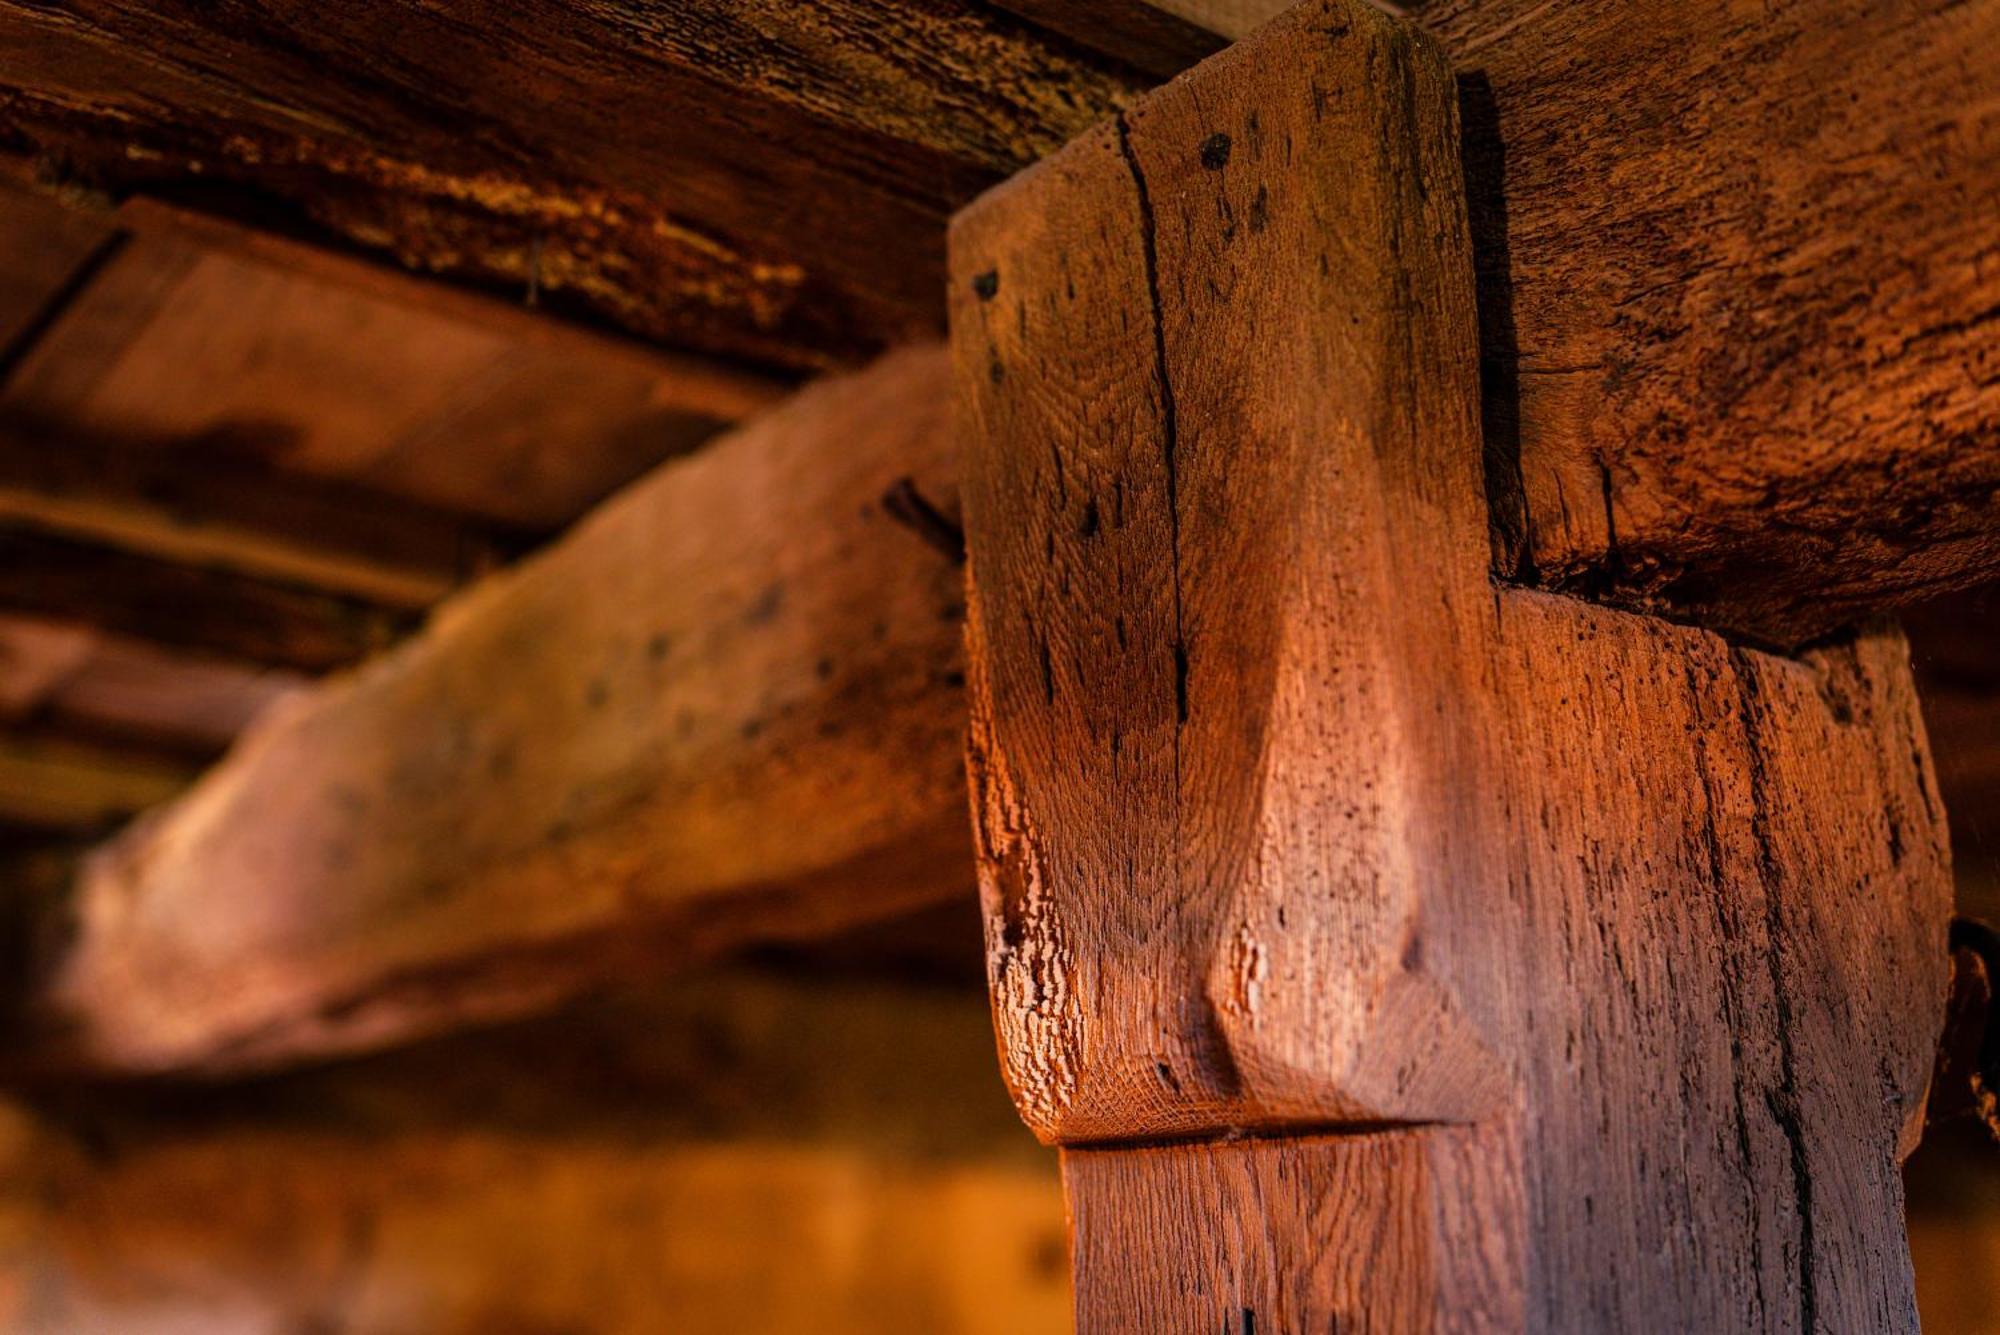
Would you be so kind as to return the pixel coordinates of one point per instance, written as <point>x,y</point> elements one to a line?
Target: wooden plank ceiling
<point>310,314</point>
<point>230,461</point>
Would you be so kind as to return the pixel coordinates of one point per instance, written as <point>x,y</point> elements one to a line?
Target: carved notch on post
<point>1538,950</point>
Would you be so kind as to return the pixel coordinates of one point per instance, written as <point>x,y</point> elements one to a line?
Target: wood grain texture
<point>1363,1233</point>
<point>1739,296</point>
<point>1737,280</point>
<point>1162,40</point>
<point>1741,299</point>
<point>646,165</point>
<point>1290,820</point>
<point>723,709</point>
<point>1148,580</point>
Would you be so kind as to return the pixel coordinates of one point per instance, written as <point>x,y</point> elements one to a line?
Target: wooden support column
<point>1388,949</point>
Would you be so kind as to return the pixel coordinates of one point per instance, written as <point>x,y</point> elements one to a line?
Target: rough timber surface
<point>1292,823</point>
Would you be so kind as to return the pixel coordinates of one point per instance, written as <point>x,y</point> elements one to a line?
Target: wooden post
<point>1386,948</point>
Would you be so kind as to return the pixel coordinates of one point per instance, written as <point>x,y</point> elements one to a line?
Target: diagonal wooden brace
<point>1385,947</point>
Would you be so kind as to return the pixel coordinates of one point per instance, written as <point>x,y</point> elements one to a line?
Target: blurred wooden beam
<point>66,675</point>
<point>167,501</point>
<point>247,351</point>
<point>232,443</point>
<point>57,784</point>
<point>202,609</point>
<point>744,1152</point>
<point>727,708</point>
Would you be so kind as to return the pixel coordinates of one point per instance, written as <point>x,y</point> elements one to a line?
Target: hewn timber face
<point>1740,298</point>
<point>1586,965</point>
<point>1704,395</point>
<point>768,179</point>
<point>724,709</point>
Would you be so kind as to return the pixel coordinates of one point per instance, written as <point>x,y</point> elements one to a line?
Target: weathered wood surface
<point>219,347</point>
<point>1361,1232</point>
<point>1761,394</point>
<point>726,708</point>
<point>1160,39</point>
<point>648,165</point>
<point>1291,821</point>
<point>1782,317</point>
<point>743,1152</point>
<point>1739,301</point>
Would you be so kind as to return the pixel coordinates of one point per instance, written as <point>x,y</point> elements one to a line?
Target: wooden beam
<point>1784,317</point>
<point>1481,957</point>
<point>189,607</point>
<point>641,164</point>
<point>44,248</point>
<point>1683,414</point>
<point>166,500</point>
<point>73,677</point>
<point>243,446</point>
<point>1160,39</point>
<point>57,784</point>
<point>1761,396</point>
<point>250,352</point>
<point>726,708</point>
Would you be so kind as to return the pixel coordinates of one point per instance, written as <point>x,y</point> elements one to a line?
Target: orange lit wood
<point>1585,968</point>
<point>746,1152</point>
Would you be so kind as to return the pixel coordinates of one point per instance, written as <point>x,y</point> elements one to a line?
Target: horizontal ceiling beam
<point>726,708</point>
<point>1735,265</point>
<point>766,179</point>
<point>241,445</point>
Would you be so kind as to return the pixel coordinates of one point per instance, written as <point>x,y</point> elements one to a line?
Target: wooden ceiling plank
<point>179,506</point>
<point>765,180</point>
<point>1693,381</point>
<point>43,248</point>
<point>215,612</point>
<point>201,333</point>
<point>702,386</point>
